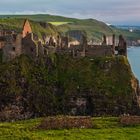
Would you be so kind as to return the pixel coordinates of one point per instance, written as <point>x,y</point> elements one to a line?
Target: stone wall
<point>2,43</point>
<point>12,47</point>
<point>99,51</point>
<point>29,46</point>
<point>9,53</point>
<point>26,28</point>
<point>122,46</point>
<point>18,44</point>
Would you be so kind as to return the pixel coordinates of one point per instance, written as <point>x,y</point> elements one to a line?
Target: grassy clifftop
<point>47,87</point>
<point>94,29</point>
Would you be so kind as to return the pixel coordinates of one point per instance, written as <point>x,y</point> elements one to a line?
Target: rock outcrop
<point>63,85</point>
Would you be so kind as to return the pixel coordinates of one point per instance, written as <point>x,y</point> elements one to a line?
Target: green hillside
<point>17,24</point>
<point>94,29</point>
<point>41,17</point>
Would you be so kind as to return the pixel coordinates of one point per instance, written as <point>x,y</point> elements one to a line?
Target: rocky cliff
<point>63,85</point>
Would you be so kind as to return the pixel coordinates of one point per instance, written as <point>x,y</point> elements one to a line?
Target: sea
<point>134,60</point>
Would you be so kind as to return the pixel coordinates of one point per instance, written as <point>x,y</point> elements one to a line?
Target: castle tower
<point>104,40</point>
<point>113,43</point>
<point>26,28</point>
<point>122,46</point>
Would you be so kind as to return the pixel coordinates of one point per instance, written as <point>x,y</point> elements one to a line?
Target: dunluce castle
<point>13,44</point>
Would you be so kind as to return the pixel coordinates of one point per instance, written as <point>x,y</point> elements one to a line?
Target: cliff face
<point>62,85</point>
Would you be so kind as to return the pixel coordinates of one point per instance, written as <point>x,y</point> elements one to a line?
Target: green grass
<point>58,23</point>
<point>105,129</point>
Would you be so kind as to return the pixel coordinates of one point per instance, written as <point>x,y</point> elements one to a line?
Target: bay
<point>134,60</point>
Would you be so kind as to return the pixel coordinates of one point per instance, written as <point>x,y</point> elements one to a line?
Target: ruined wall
<point>6,33</point>
<point>12,47</point>
<point>91,51</point>
<point>64,42</point>
<point>18,44</point>
<point>3,35</point>
<point>41,49</point>
<point>58,41</point>
<point>28,43</point>
<point>99,51</point>
<point>122,46</point>
<point>29,46</point>
<point>26,28</point>
<point>9,52</point>
<point>2,44</point>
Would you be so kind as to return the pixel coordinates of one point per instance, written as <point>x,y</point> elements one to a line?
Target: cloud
<point>111,11</point>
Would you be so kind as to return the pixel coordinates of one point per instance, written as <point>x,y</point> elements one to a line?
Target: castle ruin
<point>14,44</point>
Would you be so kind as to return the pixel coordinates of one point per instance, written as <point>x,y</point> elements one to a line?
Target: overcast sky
<point>109,11</point>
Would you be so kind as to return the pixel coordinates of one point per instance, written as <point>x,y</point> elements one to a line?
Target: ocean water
<point>134,60</point>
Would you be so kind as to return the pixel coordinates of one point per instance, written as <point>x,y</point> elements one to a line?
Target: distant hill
<point>128,27</point>
<point>94,28</point>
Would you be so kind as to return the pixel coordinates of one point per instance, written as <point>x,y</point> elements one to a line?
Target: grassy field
<point>59,23</point>
<point>104,129</point>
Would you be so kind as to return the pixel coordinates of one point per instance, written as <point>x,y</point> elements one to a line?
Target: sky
<point>119,12</point>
